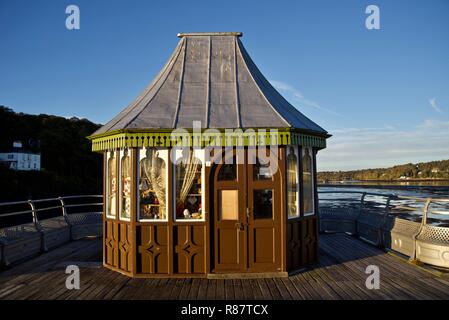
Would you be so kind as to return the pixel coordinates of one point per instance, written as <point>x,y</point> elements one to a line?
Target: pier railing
<point>30,227</point>
<point>413,226</point>
<point>409,225</point>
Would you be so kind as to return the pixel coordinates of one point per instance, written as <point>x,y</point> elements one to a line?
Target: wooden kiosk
<point>210,171</point>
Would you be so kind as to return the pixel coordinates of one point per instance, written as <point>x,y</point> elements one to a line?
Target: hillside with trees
<point>412,171</point>
<point>68,164</point>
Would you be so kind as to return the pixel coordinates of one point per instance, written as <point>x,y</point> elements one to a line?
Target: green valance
<point>259,137</point>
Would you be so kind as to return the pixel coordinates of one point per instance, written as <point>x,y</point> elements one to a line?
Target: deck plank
<point>340,274</point>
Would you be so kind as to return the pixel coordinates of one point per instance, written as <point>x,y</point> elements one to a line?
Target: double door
<point>246,214</point>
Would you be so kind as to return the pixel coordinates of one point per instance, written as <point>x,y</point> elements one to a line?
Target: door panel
<point>264,207</point>
<point>229,218</point>
<point>264,242</point>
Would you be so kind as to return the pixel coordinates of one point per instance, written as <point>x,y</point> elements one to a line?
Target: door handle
<point>240,226</point>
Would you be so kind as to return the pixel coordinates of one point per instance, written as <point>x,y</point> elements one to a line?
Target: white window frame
<point>120,195</point>
<point>109,216</point>
<point>163,154</point>
<point>298,181</point>
<point>312,178</point>
<point>200,155</point>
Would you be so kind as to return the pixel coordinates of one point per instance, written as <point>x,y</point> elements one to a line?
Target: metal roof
<point>210,78</point>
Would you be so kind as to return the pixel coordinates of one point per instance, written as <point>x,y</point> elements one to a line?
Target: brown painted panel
<point>302,244</point>
<point>294,251</point>
<point>152,249</point>
<point>124,246</point>
<point>309,240</point>
<point>264,245</point>
<point>199,263</point>
<point>228,247</point>
<point>111,243</point>
<point>189,246</point>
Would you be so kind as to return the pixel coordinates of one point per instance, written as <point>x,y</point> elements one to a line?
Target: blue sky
<point>383,94</point>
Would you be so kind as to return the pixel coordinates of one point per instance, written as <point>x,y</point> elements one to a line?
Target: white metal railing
<point>63,206</point>
<point>385,221</point>
<point>404,203</point>
<point>67,218</point>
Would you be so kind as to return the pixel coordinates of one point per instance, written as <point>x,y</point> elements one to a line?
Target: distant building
<point>18,158</point>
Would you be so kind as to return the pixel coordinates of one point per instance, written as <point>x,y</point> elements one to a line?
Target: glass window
<point>228,172</point>
<point>189,175</point>
<point>307,181</point>
<point>111,185</point>
<point>125,185</point>
<point>228,204</point>
<point>261,171</point>
<point>152,184</point>
<point>292,183</point>
<point>263,204</point>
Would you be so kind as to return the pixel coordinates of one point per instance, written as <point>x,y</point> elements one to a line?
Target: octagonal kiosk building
<point>210,171</point>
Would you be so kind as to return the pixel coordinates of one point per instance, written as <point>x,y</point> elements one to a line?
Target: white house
<point>20,159</point>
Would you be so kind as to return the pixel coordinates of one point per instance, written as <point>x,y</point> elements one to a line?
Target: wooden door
<point>230,225</point>
<point>264,217</point>
<point>246,223</point>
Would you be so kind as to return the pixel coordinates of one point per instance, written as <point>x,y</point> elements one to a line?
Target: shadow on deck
<point>339,275</point>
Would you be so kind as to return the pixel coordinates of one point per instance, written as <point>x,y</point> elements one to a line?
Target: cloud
<point>433,104</point>
<point>357,148</point>
<point>299,97</point>
<point>282,86</point>
<point>434,124</point>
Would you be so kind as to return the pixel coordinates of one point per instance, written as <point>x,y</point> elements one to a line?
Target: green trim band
<point>214,139</point>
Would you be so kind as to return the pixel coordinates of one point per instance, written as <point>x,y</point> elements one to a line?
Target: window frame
<point>164,155</point>
<point>200,155</point>
<point>108,157</point>
<point>312,180</point>
<point>120,195</point>
<point>298,182</point>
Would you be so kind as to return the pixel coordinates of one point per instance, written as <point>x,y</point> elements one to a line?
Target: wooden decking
<point>339,275</point>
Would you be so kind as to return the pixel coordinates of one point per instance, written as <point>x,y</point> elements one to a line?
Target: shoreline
<point>384,186</point>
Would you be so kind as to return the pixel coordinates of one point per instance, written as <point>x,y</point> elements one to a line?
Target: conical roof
<point>210,78</point>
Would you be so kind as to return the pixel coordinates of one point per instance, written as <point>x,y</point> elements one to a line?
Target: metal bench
<point>23,241</point>
<point>85,225</point>
<point>391,225</point>
<point>432,242</point>
<point>372,218</point>
<point>399,235</point>
<point>338,219</point>
<point>342,217</point>
<point>55,232</point>
<point>20,242</point>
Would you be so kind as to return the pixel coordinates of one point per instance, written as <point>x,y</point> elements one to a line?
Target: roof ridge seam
<point>237,98</point>
<point>208,84</point>
<point>260,90</point>
<point>181,80</point>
